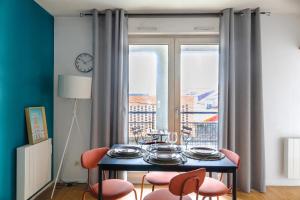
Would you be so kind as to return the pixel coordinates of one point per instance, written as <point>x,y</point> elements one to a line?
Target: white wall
<point>281,79</point>
<point>73,35</point>
<point>281,85</point>
<point>171,26</point>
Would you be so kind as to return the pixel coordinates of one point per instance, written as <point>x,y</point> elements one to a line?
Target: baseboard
<point>41,190</point>
<point>284,182</point>
<point>66,180</point>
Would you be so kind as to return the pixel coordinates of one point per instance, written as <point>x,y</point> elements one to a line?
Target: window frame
<point>146,40</point>
<point>174,79</point>
<point>200,40</point>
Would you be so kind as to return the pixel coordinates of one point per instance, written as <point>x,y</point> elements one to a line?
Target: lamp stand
<point>74,119</point>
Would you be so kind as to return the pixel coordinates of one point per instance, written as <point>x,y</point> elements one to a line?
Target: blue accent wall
<point>26,79</point>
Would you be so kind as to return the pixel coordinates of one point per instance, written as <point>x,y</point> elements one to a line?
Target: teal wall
<point>26,79</point>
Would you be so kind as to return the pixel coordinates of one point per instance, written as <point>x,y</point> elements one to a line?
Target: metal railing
<point>203,133</point>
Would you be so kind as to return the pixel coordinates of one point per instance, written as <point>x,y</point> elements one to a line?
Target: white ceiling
<point>74,7</point>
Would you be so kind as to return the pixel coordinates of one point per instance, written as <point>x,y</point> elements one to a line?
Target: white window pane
<point>148,87</point>
<point>199,92</point>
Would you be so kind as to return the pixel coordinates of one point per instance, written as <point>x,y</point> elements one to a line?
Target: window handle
<point>177,111</point>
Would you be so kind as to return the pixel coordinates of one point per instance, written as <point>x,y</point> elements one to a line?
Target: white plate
<point>165,156</point>
<point>204,151</point>
<point>126,150</point>
<point>165,148</point>
<point>123,151</point>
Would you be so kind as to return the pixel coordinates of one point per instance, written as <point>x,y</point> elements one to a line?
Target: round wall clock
<point>84,62</point>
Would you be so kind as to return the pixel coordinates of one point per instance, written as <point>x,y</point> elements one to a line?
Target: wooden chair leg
<point>197,196</point>
<point>142,187</point>
<point>153,187</point>
<point>203,198</point>
<point>83,195</point>
<point>135,194</point>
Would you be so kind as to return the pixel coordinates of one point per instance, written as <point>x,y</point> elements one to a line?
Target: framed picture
<point>36,124</point>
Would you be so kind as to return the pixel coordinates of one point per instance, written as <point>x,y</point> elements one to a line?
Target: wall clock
<point>84,62</point>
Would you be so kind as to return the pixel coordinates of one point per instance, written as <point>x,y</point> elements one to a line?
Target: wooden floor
<point>273,193</point>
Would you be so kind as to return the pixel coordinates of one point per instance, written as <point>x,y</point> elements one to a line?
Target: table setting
<point>149,154</point>
<point>126,152</point>
<point>167,153</point>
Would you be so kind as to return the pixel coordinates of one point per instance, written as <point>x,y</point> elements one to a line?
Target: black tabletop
<point>138,164</point>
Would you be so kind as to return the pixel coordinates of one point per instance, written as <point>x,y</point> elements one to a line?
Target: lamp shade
<point>74,87</point>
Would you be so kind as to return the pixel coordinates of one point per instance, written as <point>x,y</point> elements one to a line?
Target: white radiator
<point>33,168</point>
<point>292,157</point>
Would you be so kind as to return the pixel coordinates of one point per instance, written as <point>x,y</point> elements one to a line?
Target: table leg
<point>100,179</point>
<point>234,195</point>
<point>210,175</point>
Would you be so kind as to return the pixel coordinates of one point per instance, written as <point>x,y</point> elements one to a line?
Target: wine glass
<point>141,141</point>
<point>135,133</point>
<point>155,137</point>
<point>186,137</point>
<point>172,138</point>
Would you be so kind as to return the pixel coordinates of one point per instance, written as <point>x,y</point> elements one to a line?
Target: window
<point>199,92</point>
<point>173,82</point>
<point>148,87</point>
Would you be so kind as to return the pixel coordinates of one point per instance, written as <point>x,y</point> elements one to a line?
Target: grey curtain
<point>110,80</point>
<point>240,95</point>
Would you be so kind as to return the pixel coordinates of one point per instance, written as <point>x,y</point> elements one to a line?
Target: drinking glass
<point>141,141</point>
<point>186,137</point>
<point>172,138</point>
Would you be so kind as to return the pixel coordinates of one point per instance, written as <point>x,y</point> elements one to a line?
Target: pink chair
<point>214,188</point>
<point>180,186</point>
<point>157,179</point>
<point>112,188</point>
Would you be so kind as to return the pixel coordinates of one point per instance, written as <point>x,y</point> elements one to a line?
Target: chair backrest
<point>234,157</point>
<point>90,158</point>
<point>186,183</point>
<point>186,130</point>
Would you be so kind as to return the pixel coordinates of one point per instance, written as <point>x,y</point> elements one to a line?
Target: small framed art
<point>36,124</point>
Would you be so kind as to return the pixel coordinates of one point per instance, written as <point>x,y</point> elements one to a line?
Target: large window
<point>148,87</point>
<point>173,82</point>
<point>199,92</point>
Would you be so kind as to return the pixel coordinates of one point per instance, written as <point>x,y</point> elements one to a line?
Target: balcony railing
<point>203,133</point>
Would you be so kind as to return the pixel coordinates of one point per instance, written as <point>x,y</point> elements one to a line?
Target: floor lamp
<point>74,88</point>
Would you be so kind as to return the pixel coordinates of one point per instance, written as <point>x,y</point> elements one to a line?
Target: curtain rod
<point>153,15</point>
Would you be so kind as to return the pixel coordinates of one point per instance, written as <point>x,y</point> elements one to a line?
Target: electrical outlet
<point>77,163</point>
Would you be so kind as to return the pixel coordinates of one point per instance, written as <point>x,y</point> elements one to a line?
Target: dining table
<point>139,164</point>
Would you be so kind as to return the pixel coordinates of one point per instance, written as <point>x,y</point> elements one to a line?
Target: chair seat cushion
<point>160,178</point>
<point>212,187</point>
<point>113,189</point>
<point>164,194</point>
